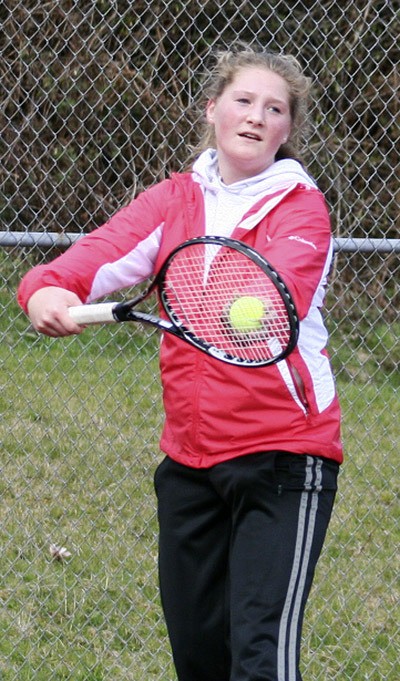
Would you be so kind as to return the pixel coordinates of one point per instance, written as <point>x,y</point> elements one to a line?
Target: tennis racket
<point>219,295</point>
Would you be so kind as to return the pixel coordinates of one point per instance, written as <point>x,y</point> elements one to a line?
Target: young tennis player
<point>246,488</point>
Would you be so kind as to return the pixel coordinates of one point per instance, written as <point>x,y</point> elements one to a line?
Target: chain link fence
<point>99,99</point>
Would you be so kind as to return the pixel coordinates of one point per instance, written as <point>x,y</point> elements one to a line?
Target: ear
<point>210,111</point>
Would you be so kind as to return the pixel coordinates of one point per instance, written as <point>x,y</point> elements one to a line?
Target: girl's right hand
<point>48,311</point>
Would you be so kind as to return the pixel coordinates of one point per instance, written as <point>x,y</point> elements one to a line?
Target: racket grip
<point>99,313</point>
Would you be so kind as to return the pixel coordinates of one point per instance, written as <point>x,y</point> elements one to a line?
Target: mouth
<point>250,136</point>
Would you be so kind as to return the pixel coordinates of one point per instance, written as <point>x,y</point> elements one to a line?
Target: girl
<point>246,488</point>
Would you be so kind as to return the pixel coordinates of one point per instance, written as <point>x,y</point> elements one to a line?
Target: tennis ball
<point>246,314</point>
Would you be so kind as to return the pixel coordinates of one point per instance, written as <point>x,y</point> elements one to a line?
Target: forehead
<point>259,79</point>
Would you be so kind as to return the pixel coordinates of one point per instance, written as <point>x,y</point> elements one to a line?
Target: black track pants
<point>239,543</point>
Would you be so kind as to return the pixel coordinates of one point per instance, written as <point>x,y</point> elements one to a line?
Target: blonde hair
<point>229,62</point>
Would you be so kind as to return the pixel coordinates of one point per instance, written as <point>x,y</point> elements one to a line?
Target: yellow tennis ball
<point>246,314</point>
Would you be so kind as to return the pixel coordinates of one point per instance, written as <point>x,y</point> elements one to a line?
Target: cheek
<point>286,126</point>
<point>280,132</point>
<point>224,123</point>
<point>221,127</point>
<point>222,117</point>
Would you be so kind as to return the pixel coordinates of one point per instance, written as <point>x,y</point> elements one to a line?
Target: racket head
<point>201,280</point>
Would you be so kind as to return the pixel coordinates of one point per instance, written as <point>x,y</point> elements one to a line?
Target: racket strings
<point>199,293</point>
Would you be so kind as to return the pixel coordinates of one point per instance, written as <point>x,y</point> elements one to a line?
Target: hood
<point>279,175</point>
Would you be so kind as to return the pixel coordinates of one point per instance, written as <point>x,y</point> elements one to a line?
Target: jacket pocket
<point>295,385</point>
<point>299,387</point>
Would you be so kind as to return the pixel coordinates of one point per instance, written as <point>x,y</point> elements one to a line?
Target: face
<point>251,121</point>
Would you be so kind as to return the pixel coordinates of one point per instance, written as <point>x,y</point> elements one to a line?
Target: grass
<point>79,449</point>
<point>79,429</point>
<point>353,615</point>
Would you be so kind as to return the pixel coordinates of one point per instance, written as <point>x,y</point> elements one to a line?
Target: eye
<point>274,109</point>
<point>243,100</point>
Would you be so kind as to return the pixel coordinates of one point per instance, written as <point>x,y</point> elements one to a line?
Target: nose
<point>256,115</point>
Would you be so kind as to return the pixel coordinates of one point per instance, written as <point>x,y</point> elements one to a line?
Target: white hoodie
<point>225,204</point>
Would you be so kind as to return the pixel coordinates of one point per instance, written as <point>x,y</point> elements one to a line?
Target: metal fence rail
<point>64,241</point>
<point>98,101</point>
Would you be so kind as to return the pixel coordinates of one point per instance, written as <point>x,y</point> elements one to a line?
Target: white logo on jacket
<point>303,241</point>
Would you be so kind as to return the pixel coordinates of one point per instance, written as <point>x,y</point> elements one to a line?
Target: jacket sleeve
<point>118,254</point>
<point>299,246</point>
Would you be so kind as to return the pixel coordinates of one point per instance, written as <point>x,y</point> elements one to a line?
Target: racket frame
<point>125,311</point>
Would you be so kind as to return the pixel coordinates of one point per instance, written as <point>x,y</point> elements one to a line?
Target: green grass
<point>79,438</point>
<point>79,432</point>
<point>352,618</point>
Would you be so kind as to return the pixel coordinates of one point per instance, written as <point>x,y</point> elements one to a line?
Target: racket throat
<point>145,318</point>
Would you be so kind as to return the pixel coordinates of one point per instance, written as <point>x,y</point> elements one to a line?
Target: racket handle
<point>100,313</point>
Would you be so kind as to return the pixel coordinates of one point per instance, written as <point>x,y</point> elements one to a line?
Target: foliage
<point>101,101</point>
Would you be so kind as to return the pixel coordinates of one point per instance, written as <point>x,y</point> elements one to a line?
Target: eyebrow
<point>250,93</point>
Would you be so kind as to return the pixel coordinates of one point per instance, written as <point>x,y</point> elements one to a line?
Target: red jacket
<point>216,411</point>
